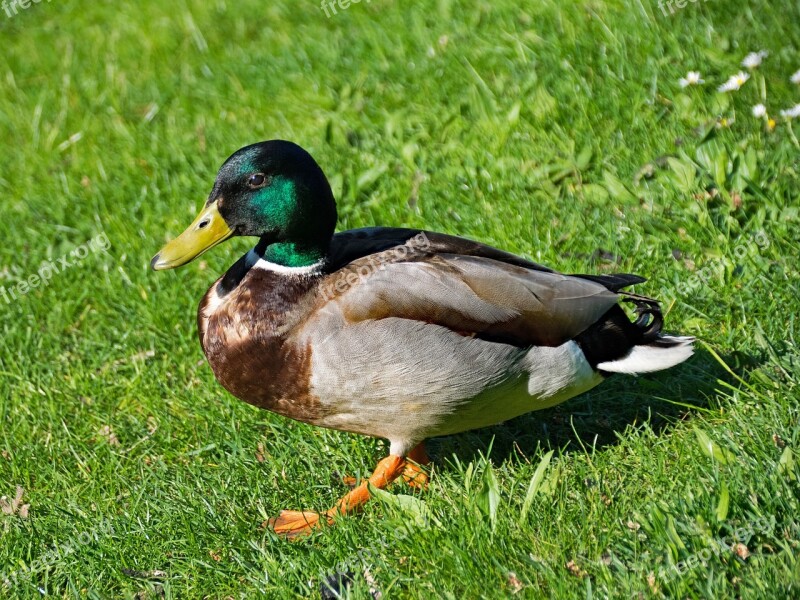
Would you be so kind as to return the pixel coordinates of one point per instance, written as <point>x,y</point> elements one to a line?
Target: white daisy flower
<point>795,78</point>
<point>753,60</point>
<point>791,113</point>
<point>692,78</point>
<point>759,111</point>
<point>734,82</point>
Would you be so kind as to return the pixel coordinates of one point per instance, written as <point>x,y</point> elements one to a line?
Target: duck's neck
<point>292,254</point>
<point>285,260</point>
<point>289,257</point>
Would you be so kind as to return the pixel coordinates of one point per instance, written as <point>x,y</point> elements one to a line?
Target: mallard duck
<point>402,334</point>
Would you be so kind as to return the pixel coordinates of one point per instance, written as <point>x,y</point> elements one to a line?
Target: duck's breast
<point>246,335</point>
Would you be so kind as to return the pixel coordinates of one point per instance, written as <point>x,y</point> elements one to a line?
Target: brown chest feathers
<point>245,323</point>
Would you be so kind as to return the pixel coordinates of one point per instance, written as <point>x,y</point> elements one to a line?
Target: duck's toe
<point>413,473</point>
<point>350,481</point>
<point>415,476</point>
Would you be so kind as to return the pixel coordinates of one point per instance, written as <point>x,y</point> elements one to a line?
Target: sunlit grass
<point>556,130</point>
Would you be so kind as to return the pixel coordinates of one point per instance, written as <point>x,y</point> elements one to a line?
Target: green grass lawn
<point>555,130</point>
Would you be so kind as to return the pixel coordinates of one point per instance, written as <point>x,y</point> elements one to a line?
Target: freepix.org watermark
<point>753,245</point>
<point>59,552</point>
<point>49,268</point>
<point>418,243</point>
<point>329,6</point>
<point>718,546</point>
<point>674,5</point>
<point>11,7</point>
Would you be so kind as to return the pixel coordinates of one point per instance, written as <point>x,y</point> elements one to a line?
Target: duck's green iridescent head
<point>274,190</point>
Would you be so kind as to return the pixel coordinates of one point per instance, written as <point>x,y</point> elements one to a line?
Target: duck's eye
<point>257,180</point>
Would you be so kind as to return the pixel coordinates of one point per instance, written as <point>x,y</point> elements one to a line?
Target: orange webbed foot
<point>292,524</point>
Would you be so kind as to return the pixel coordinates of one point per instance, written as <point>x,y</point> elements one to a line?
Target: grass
<point>557,131</point>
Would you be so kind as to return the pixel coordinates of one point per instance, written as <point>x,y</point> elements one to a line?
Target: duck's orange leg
<point>292,523</point>
<point>412,473</point>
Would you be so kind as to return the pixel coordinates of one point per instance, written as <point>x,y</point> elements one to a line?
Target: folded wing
<point>471,291</point>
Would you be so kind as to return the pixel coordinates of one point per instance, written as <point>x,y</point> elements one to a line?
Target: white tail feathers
<point>665,352</point>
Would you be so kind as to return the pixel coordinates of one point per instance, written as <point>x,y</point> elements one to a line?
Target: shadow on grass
<point>597,418</point>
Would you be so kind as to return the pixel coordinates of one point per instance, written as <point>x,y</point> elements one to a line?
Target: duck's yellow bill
<point>207,230</point>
